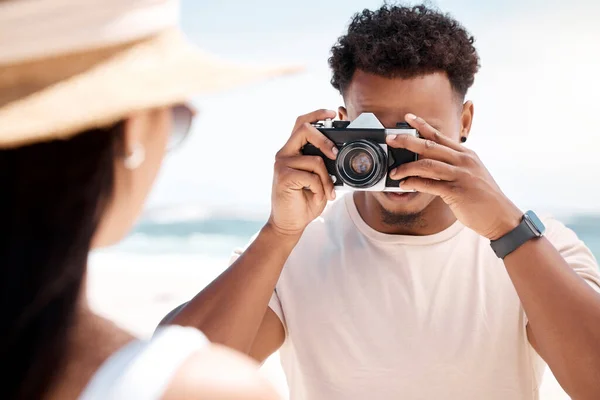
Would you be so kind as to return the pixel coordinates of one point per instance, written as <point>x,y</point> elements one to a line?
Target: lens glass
<point>181,124</point>
<point>361,163</point>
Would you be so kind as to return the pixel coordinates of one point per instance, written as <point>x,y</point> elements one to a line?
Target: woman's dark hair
<point>405,42</point>
<point>51,198</point>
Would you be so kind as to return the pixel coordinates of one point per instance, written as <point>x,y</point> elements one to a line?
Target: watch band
<point>510,242</point>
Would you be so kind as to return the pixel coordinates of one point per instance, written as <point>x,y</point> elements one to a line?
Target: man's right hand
<point>234,309</point>
<point>301,184</point>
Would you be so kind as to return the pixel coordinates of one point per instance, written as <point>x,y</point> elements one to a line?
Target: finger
<point>429,132</point>
<point>313,117</point>
<point>425,168</point>
<point>316,165</point>
<point>424,147</point>
<point>302,180</point>
<point>424,185</point>
<point>308,134</point>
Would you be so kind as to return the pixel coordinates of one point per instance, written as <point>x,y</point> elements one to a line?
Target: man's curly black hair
<point>405,42</point>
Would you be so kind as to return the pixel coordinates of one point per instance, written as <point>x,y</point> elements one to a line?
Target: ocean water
<point>217,237</point>
<point>211,237</point>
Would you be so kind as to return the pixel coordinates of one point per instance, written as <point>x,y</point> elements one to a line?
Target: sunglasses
<point>183,116</point>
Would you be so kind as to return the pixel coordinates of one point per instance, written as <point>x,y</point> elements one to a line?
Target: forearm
<point>563,313</point>
<point>230,310</point>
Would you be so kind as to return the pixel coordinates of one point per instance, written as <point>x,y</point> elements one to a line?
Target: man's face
<point>430,97</point>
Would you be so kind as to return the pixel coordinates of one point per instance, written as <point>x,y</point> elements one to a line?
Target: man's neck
<point>433,219</point>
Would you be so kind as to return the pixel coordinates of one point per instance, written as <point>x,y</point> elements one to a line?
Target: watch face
<point>535,222</point>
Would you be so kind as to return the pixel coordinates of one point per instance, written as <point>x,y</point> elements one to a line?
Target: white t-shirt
<point>375,316</point>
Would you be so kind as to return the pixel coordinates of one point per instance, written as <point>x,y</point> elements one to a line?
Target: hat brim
<point>165,69</point>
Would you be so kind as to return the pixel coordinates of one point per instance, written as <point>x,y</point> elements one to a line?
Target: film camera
<point>364,159</point>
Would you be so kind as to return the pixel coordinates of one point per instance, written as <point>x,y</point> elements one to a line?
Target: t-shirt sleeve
<point>574,251</point>
<point>275,305</point>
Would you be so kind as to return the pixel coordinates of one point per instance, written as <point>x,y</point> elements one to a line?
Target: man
<point>388,296</point>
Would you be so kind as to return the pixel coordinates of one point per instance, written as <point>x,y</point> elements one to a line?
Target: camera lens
<point>361,164</point>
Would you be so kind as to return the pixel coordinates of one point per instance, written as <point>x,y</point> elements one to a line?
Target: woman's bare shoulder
<point>219,373</point>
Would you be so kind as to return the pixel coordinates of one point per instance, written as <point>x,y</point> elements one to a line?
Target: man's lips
<point>401,196</point>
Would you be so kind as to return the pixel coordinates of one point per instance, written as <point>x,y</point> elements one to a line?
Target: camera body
<point>364,159</point>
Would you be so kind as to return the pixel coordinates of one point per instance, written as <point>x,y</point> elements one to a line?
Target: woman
<point>91,94</point>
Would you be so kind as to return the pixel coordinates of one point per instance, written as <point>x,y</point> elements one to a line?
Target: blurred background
<point>537,99</point>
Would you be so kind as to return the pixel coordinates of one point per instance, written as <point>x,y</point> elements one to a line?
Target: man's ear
<point>343,113</point>
<point>466,119</point>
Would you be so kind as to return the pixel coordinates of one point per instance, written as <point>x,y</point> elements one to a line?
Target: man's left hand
<point>456,174</point>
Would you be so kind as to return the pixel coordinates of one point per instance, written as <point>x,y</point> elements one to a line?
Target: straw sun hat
<point>71,65</point>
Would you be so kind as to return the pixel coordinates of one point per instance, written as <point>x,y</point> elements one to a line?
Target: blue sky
<point>536,97</point>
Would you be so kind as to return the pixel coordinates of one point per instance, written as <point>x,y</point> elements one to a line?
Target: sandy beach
<point>137,291</point>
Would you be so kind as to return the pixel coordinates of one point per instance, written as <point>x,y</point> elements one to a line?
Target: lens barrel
<point>361,164</point>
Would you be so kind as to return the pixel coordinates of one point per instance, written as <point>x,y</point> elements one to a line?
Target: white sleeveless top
<point>143,369</point>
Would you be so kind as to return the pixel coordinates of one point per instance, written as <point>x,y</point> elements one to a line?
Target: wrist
<point>278,236</point>
<point>506,222</point>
